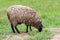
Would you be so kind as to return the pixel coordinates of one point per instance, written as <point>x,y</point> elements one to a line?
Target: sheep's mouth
<point>40,29</point>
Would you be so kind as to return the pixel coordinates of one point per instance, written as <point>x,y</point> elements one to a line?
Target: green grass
<point>45,35</point>
<point>47,10</point>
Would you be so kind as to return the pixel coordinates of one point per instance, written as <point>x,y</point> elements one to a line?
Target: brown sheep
<point>18,14</point>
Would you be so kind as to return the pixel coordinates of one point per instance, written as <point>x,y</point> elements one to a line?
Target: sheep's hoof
<point>19,32</point>
<point>26,31</point>
<point>14,32</point>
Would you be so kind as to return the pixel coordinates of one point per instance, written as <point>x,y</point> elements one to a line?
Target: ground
<point>56,32</point>
<point>23,36</point>
<point>15,36</point>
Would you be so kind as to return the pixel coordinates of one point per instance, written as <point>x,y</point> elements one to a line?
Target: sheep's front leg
<point>17,29</point>
<point>12,28</point>
<point>27,28</point>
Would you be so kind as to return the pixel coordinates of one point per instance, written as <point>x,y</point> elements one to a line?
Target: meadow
<point>47,10</point>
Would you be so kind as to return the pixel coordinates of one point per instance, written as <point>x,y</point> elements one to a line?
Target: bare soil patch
<point>56,32</point>
<point>15,36</point>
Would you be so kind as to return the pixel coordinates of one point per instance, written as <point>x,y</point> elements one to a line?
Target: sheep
<point>18,14</point>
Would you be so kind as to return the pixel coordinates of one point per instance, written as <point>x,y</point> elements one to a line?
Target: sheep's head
<point>39,26</point>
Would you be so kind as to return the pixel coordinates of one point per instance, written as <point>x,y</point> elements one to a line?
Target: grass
<point>45,35</point>
<point>47,10</point>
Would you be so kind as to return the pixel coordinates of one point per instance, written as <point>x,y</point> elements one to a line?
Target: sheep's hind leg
<point>27,28</point>
<point>12,28</point>
<point>17,29</point>
<point>30,28</point>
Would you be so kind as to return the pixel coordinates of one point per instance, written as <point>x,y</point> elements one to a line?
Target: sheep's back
<point>20,13</point>
<point>21,9</point>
